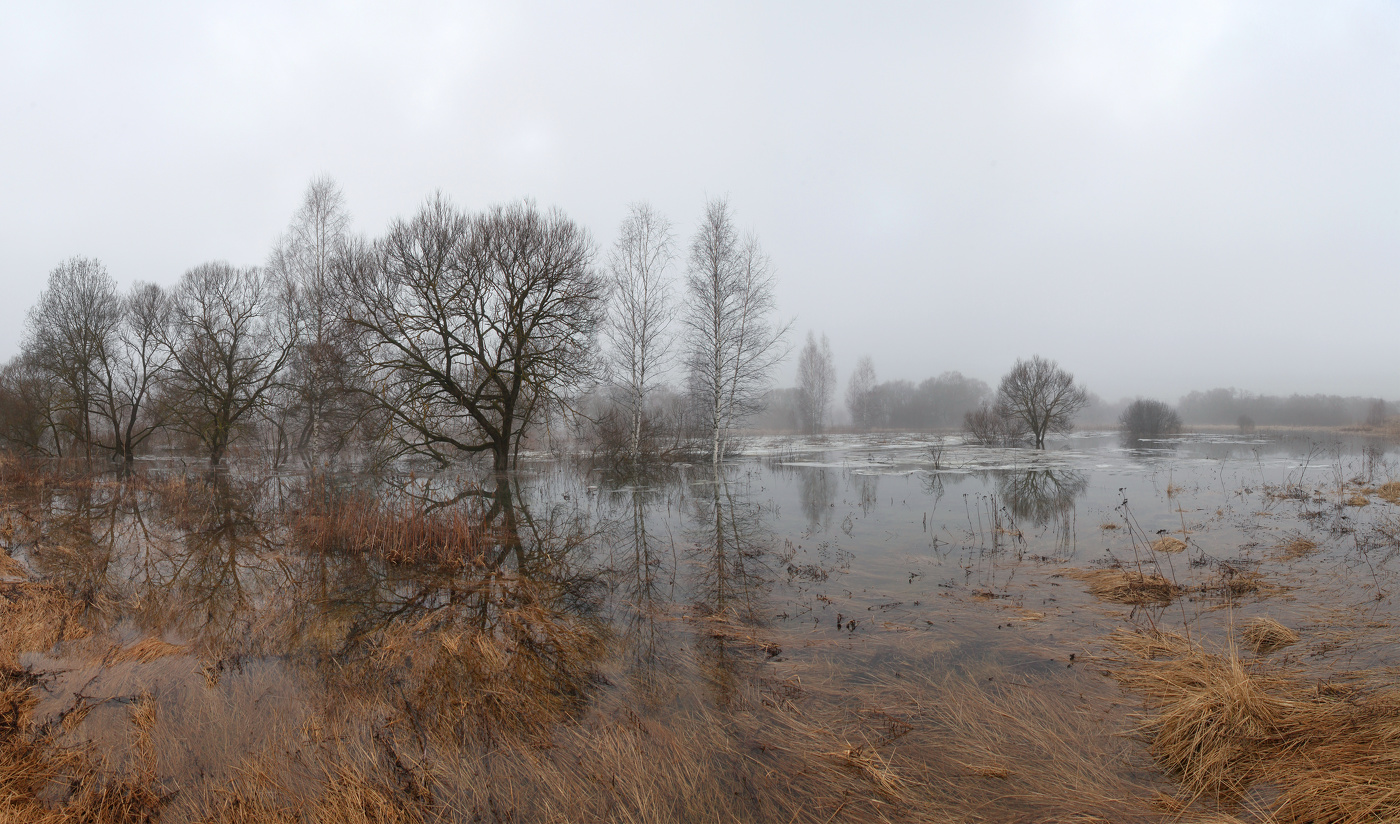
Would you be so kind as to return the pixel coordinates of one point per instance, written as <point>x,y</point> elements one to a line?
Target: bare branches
<point>862,398</point>
<point>816,382</point>
<point>731,342</point>
<point>1042,396</point>
<point>641,310</point>
<point>475,326</point>
<point>231,335</point>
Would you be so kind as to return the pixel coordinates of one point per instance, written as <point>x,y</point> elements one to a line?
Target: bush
<point>986,425</point>
<point>1148,418</point>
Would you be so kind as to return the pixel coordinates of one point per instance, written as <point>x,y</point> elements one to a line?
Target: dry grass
<point>1168,544</point>
<point>1389,492</point>
<point>1127,586</point>
<point>1223,726</point>
<point>402,531</point>
<point>1357,500</point>
<point>1265,635</point>
<point>1297,548</point>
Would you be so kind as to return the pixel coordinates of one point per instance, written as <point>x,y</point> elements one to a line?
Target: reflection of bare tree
<point>818,489</point>
<point>869,488</point>
<point>211,583</point>
<point>510,641</point>
<point>730,541</point>
<point>1040,495</point>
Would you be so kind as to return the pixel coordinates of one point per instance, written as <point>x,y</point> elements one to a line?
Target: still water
<point>908,613</point>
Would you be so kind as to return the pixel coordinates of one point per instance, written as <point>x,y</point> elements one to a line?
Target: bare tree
<point>986,425</point>
<point>317,388</point>
<point>28,403</point>
<point>861,397</point>
<point>816,383</point>
<point>732,343</point>
<point>1041,395</point>
<point>641,310</point>
<point>130,367</point>
<point>473,327</point>
<point>71,331</point>
<point>232,333</point>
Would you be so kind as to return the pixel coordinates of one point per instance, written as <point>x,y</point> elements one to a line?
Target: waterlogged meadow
<point>901,628</point>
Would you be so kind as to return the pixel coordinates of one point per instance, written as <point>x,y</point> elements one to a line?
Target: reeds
<point>1222,725</point>
<point>1168,544</point>
<point>400,530</point>
<point>1128,586</point>
<point>1265,635</point>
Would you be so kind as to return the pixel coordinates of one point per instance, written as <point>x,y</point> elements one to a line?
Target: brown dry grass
<point>1167,543</point>
<point>1222,726</point>
<point>1297,548</point>
<point>1265,635</point>
<point>1127,586</point>
<point>402,531</point>
<point>1389,492</point>
<point>1357,500</point>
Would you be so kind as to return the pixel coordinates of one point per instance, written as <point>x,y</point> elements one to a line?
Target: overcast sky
<point>1160,196</point>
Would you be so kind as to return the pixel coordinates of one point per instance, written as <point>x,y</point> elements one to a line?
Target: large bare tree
<point>1042,396</point>
<point>232,332</point>
<point>316,396</point>
<point>816,382</point>
<point>732,342</point>
<point>131,367</point>
<point>640,312</point>
<point>71,331</point>
<point>473,327</point>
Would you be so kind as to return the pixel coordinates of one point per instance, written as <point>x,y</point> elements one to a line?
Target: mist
<point>1163,198</point>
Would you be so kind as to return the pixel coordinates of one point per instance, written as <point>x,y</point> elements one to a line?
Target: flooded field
<point>845,629</point>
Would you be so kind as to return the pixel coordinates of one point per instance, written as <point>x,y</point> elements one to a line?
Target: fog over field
<point>1162,197</point>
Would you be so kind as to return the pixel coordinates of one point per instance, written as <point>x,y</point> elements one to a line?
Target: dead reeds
<point>1265,635</point>
<point>400,530</point>
<point>1168,544</point>
<point>1127,586</point>
<point>1222,725</point>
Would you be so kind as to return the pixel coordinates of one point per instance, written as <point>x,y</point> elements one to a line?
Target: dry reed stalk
<point>1266,635</point>
<point>1168,544</point>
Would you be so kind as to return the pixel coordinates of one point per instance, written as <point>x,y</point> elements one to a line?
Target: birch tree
<point>640,312</point>
<point>862,398</point>
<point>816,381</point>
<point>732,342</point>
<point>319,373</point>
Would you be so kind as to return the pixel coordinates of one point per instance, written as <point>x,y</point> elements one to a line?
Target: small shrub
<point>1146,418</point>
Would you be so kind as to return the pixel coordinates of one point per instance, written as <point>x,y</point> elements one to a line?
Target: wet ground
<point>909,615</point>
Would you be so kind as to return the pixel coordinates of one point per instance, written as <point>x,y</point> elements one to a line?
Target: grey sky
<point>1160,196</point>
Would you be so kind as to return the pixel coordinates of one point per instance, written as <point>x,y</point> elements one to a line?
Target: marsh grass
<point>1226,727</point>
<point>398,529</point>
<point>1127,586</point>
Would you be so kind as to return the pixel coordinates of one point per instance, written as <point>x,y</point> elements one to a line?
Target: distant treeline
<point>1229,406</point>
<point>934,403</point>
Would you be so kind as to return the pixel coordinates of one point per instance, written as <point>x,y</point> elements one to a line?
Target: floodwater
<point>838,628</point>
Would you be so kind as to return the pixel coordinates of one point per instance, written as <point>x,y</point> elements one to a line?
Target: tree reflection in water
<point>1042,497</point>
<point>730,539</point>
